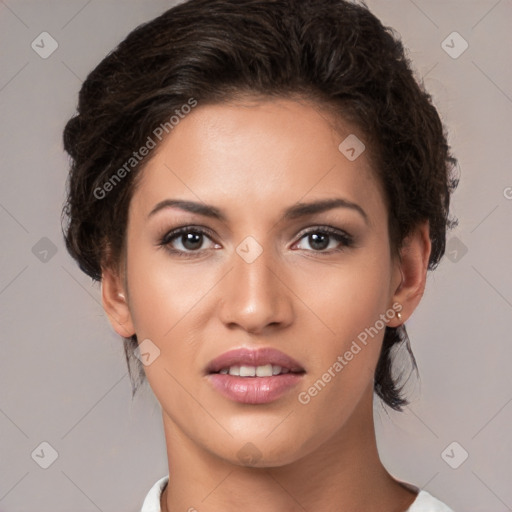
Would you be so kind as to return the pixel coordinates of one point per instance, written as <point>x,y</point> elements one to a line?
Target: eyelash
<point>341,236</point>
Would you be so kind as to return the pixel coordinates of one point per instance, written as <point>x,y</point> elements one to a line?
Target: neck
<point>343,473</point>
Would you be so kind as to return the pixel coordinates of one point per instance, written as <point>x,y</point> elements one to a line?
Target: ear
<point>411,272</point>
<point>115,304</point>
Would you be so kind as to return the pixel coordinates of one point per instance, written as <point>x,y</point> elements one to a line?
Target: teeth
<point>247,371</point>
<point>267,370</point>
<point>264,371</point>
<point>234,370</point>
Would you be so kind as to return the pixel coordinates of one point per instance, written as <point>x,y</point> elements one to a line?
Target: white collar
<point>424,502</point>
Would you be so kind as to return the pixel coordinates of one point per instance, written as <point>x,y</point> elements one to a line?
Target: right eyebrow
<point>190,206</point>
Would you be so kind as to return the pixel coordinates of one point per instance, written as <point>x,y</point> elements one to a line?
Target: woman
<point>261,187</point>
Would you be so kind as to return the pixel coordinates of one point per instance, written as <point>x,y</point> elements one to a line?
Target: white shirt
<point>424,502</point>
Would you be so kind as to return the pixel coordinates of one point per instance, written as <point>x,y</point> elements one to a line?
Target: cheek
<point>343,364</point>
<point>161,295</point>
<point>170,305</point>
<point>164,304</point>
<point>349,300</point>
<point>350,297</point>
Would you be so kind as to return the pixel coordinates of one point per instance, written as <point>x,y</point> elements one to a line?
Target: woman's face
<point>259,272</point>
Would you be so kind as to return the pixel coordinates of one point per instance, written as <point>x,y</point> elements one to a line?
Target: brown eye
<point>319,239</point>
<point>186,240</point>
<point>191,241</point>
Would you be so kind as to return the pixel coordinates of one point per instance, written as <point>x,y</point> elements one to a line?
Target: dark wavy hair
<point>334,52</point>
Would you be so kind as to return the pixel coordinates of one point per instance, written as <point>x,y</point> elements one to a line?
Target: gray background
<point>63,378</point>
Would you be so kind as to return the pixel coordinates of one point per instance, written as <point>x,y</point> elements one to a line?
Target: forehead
<point>259,154</point>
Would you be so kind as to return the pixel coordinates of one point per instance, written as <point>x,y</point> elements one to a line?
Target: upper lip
<point>253,357</point>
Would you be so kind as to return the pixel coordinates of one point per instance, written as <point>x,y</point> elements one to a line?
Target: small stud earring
<point>399,315</point>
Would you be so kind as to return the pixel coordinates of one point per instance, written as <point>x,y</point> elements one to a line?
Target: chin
<point>250,456</point>
<point>262,451</point>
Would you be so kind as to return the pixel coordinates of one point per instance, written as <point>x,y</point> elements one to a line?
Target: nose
<point>255,295</point>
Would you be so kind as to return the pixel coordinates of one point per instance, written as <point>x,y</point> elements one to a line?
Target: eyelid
<point>205,230</point>
<point>172,233</point>
<point>324,228</point>
<point>175,233</point>
<point>343,238</point>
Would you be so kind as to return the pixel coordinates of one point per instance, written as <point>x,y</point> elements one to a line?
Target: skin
<point>253,159</point>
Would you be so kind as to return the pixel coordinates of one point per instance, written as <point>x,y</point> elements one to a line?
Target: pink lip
<point>254,390</point>
<point>253,357</point>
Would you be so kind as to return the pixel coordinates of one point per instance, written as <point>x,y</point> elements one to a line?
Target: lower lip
<point>254,390</point>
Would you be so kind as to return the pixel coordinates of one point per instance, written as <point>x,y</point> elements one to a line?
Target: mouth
<point>254,376</point>
<point>266,370</point>
<point>245,362</point>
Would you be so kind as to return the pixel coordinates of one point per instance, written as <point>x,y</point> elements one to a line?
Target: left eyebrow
<point>293,212</point>
<point>303,209</point>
